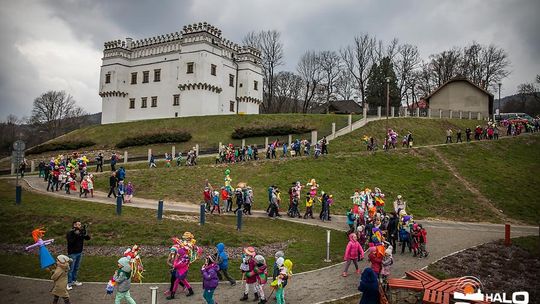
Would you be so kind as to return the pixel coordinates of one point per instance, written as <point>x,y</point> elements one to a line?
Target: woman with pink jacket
<point>352,253</point>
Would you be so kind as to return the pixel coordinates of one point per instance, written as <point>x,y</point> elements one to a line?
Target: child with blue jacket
<point>223,263</point>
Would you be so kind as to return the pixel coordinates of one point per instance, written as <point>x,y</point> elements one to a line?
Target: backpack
<point>403,234</point>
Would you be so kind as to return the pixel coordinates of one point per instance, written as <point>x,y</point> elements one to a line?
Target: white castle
<point>194,72</point>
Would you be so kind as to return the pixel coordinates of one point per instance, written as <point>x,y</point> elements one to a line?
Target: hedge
<point>156,138</point>
<point>56,146</point>
<point>242,132</point>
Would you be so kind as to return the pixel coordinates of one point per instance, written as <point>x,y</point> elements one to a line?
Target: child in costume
<point>275,271</point>
<point>376,260</point>
<point>248,266</point>
<point>422,252</point>
<point>387,262</point>
<point>353,251</point>
<point>215,203</point>
<point>351,219</point>
<point>90,180</point>
<point>260,272</point>
<point>209,273</point>
<point>59,278</point>
<point>122,279</point>
<point>207,195</point>
<point>223,263</point>
<point>309,207</point>
<point>285,272</point>
<point>129,193</point>
<point>181,267</point>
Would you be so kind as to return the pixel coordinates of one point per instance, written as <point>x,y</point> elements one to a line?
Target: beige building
<point>460,94</point>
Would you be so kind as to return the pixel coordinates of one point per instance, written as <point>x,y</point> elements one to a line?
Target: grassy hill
<point>499,169</point>
<point>207,131</point>
<point>425,132</point>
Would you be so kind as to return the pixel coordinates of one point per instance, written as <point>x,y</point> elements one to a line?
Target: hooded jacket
<point>223,257</point>
<point>369,286</point>
<point>210,277</point>
<point>122,277</point>
<point>353,249</point>
<point>60,279</point>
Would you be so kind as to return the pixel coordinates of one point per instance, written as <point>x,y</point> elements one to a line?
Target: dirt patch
<point>146,250</point>
<point>499,268</point>
<point>182,218</point>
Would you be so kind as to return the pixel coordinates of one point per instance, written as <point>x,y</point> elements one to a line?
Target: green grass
<point>141,226</point>
<point>505,171</point>
<point>529,243</point>
<point>207,131</point>
<point>425,132</point>
<point>418,175</point>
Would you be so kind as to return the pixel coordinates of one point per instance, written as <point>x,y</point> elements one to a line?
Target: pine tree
<point>376,88</point>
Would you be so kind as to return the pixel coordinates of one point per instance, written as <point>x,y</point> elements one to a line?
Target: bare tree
<point>445,65</point>
<point>406,63</point>
<point>287,91</point>
<point>330,63</point>
<point>53,108</point>
<point>345,85</point>
<point>357,59</point>
<point>272,56</point>
<point>309,70</point>
<point>496,63</point>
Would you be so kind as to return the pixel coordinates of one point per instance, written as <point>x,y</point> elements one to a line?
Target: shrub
<point>155,138</point>
<point>242,132</point>
<point>56,146</point>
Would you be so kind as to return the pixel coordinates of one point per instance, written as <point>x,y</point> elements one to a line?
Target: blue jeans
<point>208,295</point>
<point>72,274</point>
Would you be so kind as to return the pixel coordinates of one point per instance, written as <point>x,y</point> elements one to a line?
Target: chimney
<point>129,43</point>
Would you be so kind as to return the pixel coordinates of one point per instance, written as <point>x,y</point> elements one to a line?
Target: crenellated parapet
<point>248,99</point>
<point>201,27</point>
<point>200,86</point>
<point>229,44</point>
<point>157,40</point>
<point>113,94</point>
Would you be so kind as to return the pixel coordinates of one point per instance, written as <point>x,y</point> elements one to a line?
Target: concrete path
<point>318,286</point>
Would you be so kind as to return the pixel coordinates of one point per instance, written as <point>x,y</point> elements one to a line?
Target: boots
<point>190,292</point>
<point>262,301</point>
<point>170,296</point>
<point>256,297</point>
<point>244,298</point>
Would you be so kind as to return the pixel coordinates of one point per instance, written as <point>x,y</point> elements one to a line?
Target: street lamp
<point>499,106</point>
<point>387,100</point>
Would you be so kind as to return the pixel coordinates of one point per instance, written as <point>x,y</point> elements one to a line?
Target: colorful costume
<point>135,263</point>
<point>248,269</point>
<point>45,257</point>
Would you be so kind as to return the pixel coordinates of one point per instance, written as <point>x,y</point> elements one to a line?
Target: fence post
<point>243,142</point>
<point>327,247</point>
<point>290,140</point>
<point>119,205</point>
<point>379,109</point>
<point>32,166</point>
<point>349,121</point>
<point>451,112</point>
<point>393,110</point>
<point>470,115</point>
<point>239,219</point>
<point>149,154</point>
<point>18,194</point>
<point>313,137</point>
<point>173,151</point>
<point>364,111</point>
<point>265,142</point>
<point>440,113</point>
<point>460,114</point>
<point>507,240</point>
<point>160,210</point>
<point>429,112</point>
<point>479,116</point>
<point>203,214</point>
<point>333,131</point>
<point>219,147</point>
<point>197,149</point>
<point>154,294</point>
<point>125,157</point>
<point>12,168</point>
<point>417,112</point>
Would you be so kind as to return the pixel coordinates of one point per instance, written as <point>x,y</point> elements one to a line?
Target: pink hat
<point>249,251</point>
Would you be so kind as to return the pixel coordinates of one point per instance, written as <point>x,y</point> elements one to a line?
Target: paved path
<point>317,286</point>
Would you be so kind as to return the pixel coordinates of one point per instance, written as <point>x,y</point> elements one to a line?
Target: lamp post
<point>387,100</point>
<point>499,106</point>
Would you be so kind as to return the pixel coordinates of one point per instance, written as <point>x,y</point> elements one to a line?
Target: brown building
<point>339,107</point>
<point>460,94</point>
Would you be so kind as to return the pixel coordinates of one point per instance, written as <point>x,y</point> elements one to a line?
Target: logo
<point>470,289</point>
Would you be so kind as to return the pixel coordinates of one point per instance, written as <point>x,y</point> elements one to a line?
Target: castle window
<point>213,69</point>
<point>256,85</point>
<point>134,78</point>
<point>176,100</point>
<point>190,67</point>
<point>154,101</point>
<point>157,75</point>
<point>231,80</point>
<point>175,114</point>
<point>108,78</point>
<point>143,102</point>
<point>145,76</point>
<point>240,85</point>
<point>132,103</point>
<point>231,106</point>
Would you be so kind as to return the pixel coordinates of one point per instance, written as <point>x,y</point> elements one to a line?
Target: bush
<point>242,132</point>
<point>156,138</point>
<point>56,146</point>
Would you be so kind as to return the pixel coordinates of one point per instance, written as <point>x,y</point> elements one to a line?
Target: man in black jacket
<point>75,242</point>
<point>112,184</point>
<point>99,162</point>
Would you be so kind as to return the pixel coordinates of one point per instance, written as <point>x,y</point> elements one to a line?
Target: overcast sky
<point>58,44</point>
